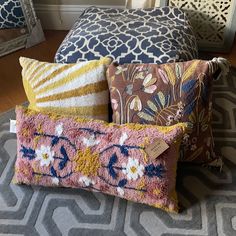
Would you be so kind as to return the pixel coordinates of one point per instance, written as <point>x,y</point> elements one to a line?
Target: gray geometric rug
<point>207,197</point>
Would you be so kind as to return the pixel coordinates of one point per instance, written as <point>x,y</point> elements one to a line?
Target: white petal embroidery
<point>120,191</point>
<point>55,181</point>
<point>133,169</point>
<point>44,155</point>
<point>59,129</point>
<point>123,137</point>
<point>86,181</point>
<point>91,141</point>
<point>150,89</point>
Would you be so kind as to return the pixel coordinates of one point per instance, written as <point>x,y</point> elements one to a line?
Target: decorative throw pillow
<point>75,89</point>
<point>154,35</point>
<point>11,14</point>
<point>56,150</point>
<point>165,95</point>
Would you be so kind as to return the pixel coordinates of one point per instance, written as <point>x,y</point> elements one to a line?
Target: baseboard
<point>61,17</point>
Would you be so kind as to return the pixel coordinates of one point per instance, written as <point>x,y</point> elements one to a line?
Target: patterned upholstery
<point>98,156</point>
<point>165,95</point>
<point>11,15</point>
<point>155,35</point>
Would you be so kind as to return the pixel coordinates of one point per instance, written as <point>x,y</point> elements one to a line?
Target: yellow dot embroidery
<point>133,169</point>
<point>156,191</point>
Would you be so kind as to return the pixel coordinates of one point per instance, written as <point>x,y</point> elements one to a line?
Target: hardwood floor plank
<point>11,88</point>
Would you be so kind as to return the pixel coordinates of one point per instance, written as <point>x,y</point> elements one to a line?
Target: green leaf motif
<point>117,117</point>
<point>192,117</point>
<point>152,105</point>
<point>145,116</point>
<point>201,116</point>
<point>204,127</point>
<point>162,98</point>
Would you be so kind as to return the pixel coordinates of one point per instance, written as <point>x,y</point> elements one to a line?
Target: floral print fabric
<point>165,95</point>
<point>55,150</point>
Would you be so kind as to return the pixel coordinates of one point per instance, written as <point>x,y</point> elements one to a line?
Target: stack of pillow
<point>143,63</point>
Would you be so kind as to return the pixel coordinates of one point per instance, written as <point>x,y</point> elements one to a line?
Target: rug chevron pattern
<point>208,198</point>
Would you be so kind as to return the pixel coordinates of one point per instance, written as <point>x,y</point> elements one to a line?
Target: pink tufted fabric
<point>56,150</point>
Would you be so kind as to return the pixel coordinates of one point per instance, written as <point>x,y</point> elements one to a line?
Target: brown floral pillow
<point>165,95</point>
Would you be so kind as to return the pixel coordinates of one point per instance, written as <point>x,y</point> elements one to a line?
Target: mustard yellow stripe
<point>29,69</point>
<point>44,71</point>
<point>105,61</point>
<point>26,64</point>
<point>53,75</point>
<point>73,75</point>
<point>87,89</point>
<point>29,92</point>
<point>32,75</point>
<point>25,61</point>
<point>85,111</point>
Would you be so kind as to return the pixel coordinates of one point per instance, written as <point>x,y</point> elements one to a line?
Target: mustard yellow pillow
<point>73,89</point>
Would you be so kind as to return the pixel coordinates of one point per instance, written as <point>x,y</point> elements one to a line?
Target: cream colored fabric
<point>142,3</point>
<point>76,89</point>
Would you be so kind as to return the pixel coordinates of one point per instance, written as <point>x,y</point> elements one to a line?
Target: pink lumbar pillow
<point>57,150</point>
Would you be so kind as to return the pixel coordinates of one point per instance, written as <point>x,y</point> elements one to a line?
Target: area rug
<point>207,197</point>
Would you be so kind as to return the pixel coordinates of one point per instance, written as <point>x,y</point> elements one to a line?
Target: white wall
<point>61,15</point>
<point>80,2</point>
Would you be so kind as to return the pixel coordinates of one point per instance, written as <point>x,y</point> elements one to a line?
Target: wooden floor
<point>11,89</point>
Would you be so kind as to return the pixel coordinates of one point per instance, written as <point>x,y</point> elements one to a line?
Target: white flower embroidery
<point>136,104</point>
<point>133,169</point>
<point>55,181</point>
<point>119,70</point>
<point>59,129</point>
<point>170,119</point>
<point>149,84</point>
<point>91,141</point>
<point>123,137</point>
<point>120,191</point>
<point>115,103</point>
<point>44,155</point>
<point>86,181</point>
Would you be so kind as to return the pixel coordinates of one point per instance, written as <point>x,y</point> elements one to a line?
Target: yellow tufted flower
<point>140,186</point>
<point>86,162</point>
<point>156,191</point>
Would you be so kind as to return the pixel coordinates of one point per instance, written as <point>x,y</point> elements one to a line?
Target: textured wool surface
<point>74,89</point>
<point>207,197</point>
<point>56,150</point>
<point>167,94</point>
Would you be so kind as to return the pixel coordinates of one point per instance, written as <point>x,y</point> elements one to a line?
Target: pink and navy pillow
<point>57,150</point>
<point>155,35</point>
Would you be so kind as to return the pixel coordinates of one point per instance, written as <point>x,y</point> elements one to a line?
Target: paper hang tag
<point>13,126</point>
<point>156,148</point>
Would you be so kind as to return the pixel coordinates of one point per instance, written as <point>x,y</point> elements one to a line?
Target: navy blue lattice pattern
<point>156,35</point>
<point>11,14</point>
